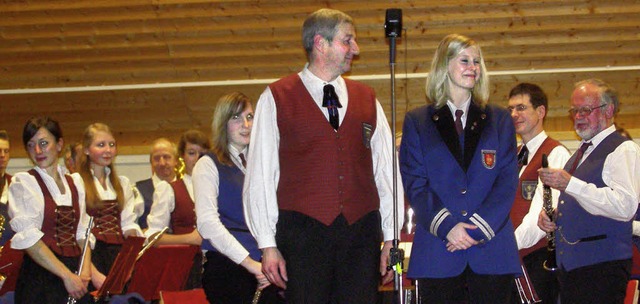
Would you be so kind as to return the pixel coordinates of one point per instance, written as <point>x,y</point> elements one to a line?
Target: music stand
<point>163,268</point>
<point>10,263</point>
<point>122,268</point>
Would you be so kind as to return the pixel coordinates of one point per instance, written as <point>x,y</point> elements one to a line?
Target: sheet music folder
<point>163,268</point>
<point>122,268</point>
<point>10,263</point>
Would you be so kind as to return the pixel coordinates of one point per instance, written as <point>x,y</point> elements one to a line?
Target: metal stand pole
<point>396,255</point>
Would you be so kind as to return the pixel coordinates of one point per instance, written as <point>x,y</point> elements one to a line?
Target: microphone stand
<point>396,255</point>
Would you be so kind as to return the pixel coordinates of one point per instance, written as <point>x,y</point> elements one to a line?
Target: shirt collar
<point>464,108</point>
<point>534,144</point>
<point>596,140</point>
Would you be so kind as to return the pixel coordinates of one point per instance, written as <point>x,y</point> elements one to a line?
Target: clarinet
<point>70,299</point>
<point>550,263</point>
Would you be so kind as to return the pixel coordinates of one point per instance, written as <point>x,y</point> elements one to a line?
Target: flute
<point>547,204</point>
<point>70,299</point>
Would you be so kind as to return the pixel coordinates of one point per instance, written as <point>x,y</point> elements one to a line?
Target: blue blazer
<point>446,185</point>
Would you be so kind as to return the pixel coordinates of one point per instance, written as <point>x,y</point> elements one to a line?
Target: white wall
<point>135,167</point>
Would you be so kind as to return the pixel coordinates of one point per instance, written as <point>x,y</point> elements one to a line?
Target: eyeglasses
<point>584,111</point>
<point>518,108</point>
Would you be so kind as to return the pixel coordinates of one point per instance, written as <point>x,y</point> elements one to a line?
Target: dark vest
<point>183,217</point>
<point>602,239</point>
<point>146,189</point>
<point>231,180</point>
<point>526,189</point>
<point>60,223</point>
<point>106,221</point>
<point>324,173</point>
<point>7,232</point>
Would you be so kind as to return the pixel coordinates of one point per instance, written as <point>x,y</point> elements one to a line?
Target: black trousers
<point>600,283</point>
<point>103,255</point>
<point>544,282</point>
<point>226,282</point>
<point>195,274</point>
<point>468,287</point>
<point>38,285</point>
<point>330,264</point>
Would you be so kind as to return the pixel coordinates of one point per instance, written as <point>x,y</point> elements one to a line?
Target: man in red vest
<point>318,190</point>
<point>528,105</point>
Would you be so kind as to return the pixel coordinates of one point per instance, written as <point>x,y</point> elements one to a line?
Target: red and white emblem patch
<point>489,158</point>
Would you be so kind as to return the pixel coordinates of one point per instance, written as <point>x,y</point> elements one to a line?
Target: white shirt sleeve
<point>26,210</point>
<point>164,203</point>
<point>263,173</point>
<point>528,233</point>
<point>205,186</point>
<point>621,173</point>
<point>128,216</point>
<point>383,147</point>
<point>138,201</point>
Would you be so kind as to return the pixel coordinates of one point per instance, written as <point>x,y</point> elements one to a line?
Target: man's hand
<point>274,267</point>
<point>545,223</point>
<point>555,178</point>
<point>387,276</point>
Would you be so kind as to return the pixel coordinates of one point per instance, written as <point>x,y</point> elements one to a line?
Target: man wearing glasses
<point>600,190</point>
<point>528,106</point>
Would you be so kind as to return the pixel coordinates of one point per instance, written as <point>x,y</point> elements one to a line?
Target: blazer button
<point>561,202</point>
<point>463,212</point>
<point>463,191</point>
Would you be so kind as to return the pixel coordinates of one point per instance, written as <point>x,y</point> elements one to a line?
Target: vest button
<point>561,202</point>
<point>463,191</point>
<point>559,214</point>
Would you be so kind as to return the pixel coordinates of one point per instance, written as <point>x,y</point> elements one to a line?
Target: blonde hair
<point>228,106</point>
<point>437,85</point>
<point>92,197</point>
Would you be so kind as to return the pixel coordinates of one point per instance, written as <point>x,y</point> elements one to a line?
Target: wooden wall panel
<point>53,45</point>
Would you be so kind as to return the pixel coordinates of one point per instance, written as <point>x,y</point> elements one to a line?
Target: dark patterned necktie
<point>523,156</point>
<point>243,160</point>
<point>332,103</point>
<point>578,156</point>
<point>458,122</point>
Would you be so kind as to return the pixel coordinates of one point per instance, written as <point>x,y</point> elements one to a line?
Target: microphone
<point>393,22</point>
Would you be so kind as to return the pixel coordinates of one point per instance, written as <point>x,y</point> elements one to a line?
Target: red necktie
<point>458,122</point>
<point>578,156</point>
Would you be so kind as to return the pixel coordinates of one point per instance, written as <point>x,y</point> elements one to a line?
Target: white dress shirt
<point>138,204</point>
<point>263,168</point>
<point>621,173</point>
<point>528,233</point>
<point>127,215</point>
<point>206,183</point>
<point>164,202</point>
<point>27,206</point>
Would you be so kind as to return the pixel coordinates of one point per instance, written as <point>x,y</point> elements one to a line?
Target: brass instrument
<point>70,299</point>
<point>547,204</point>
<point>180,169</point>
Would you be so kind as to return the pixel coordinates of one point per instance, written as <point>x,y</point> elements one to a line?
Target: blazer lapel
<point>443,120</point>
<point>476,120</point>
